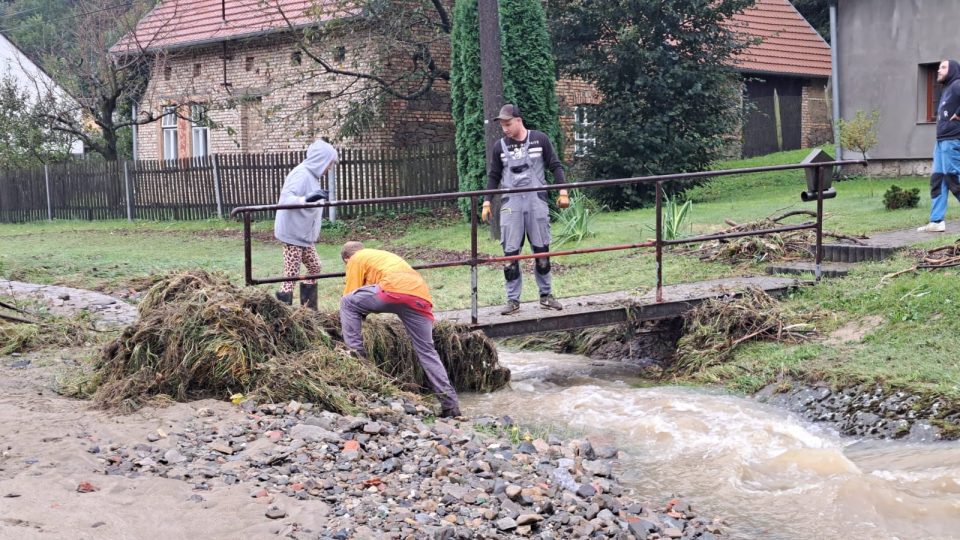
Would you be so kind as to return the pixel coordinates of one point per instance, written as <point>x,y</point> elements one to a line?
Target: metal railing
<point>821,172</point>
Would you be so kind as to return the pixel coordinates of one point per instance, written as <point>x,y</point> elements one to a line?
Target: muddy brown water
<point>767,472</point>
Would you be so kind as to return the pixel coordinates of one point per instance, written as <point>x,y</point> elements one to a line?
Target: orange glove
<point>485,213</point>
<point>563,201</point>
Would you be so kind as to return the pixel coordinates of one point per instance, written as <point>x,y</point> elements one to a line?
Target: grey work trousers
<point>525,215</point>
<point>356,305</point>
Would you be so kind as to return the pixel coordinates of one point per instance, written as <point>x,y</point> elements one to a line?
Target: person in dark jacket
<point>299,229</point>
<point>519,159</point>
<point>946,152</point>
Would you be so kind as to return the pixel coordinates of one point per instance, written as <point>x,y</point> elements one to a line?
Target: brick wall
<point>816,125</point>
<point>277,101</point>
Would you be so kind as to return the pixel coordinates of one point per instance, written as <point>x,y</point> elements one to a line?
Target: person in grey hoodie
<point>299,229</point>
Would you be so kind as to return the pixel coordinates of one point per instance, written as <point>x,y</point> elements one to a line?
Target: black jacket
<point>949,105</point>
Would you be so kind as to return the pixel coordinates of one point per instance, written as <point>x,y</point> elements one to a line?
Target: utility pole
<point>491,74</point>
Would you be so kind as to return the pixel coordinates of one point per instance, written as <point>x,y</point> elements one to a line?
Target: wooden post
<point>332,192</point>
<point>491,73</point>
<point>126,188</point>
<point>46,176</point>
<point>216,185</point>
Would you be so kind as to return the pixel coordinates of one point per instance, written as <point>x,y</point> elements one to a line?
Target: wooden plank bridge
<point>614,307</point>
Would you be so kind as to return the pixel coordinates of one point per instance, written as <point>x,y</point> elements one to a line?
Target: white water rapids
<point>768,473</point>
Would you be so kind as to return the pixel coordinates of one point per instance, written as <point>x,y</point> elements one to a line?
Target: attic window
<point>248,64</point>
<point>296,58</point>
<point>340,53</point>
<point>196,70</point>
<point>167,73</point>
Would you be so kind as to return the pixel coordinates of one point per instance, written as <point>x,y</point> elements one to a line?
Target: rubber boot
<point>285,297</point>
<point>308,296</point>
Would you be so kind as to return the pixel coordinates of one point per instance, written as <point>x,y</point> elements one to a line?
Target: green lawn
<point>913,344</point>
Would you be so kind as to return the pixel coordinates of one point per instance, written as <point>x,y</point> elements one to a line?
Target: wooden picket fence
<point>202,188</point>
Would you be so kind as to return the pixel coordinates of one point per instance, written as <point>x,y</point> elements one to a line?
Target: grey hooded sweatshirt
<point>302,227</point>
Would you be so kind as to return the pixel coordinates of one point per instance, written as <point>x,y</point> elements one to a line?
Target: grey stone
<point>506,524</point>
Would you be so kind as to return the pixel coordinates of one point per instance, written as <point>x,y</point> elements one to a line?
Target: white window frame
<point>583,137</point>
<point>199,131</point>
<point>169,125</point>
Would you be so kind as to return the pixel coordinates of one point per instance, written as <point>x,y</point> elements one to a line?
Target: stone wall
<point>816,124</point>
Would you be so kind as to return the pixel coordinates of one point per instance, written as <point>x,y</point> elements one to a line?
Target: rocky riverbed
<point>400,473</point>
<point>397,472</point>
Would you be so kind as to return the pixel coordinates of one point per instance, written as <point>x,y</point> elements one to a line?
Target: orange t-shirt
<point>389,271</point>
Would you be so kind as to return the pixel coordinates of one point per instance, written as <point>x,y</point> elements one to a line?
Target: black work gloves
<point>315,196</point>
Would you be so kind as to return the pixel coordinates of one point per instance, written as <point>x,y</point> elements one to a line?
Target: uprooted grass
<point>26,331</point>
<point>713,329</point>
<point>199,336</point>
<point>773,247</point>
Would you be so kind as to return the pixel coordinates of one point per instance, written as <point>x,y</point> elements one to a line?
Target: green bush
<point>898,198</point>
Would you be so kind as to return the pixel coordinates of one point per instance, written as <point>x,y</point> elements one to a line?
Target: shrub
<point>897,198</point>
<point>573,224</point>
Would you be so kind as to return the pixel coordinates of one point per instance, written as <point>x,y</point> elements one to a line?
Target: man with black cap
<point>519,160</point>
<point>946,152</point>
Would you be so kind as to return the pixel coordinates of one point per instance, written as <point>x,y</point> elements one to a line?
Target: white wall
<point>30,77</point>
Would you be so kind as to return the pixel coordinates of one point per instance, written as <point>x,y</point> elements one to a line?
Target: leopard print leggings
<point>293,256</point>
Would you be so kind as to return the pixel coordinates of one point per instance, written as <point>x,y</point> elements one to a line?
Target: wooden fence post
<point>126,189</point>
<point>332,188</point>
<point>46,176</point>
<point>216,185</point>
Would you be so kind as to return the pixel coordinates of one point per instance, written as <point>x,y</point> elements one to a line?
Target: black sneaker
<point>285,297</point>
<point>512,306</point>
<point>547,301</point>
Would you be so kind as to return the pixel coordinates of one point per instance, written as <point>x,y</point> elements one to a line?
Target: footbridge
<point>661,301</point>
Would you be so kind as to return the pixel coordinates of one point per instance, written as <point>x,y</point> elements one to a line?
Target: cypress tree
<point>529,80</point>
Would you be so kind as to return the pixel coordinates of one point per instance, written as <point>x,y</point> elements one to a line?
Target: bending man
<point>519,160</point>
<point>381,282</point>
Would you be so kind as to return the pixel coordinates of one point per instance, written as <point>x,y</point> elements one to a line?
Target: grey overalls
<point>524,215</point>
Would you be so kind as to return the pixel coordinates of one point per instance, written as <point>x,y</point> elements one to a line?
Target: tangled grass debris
<point>772,247</point>
<point>198,336</point>
<point>713,329</point>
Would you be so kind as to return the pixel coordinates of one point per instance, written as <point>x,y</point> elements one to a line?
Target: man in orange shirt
<point>382,282</point>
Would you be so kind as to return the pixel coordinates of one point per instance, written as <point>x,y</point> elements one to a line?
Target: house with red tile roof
<point>229,76</point>
<point>785,70</point>
<point>234,76</point>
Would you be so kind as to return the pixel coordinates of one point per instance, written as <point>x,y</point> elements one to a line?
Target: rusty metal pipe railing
<point>475,260</point>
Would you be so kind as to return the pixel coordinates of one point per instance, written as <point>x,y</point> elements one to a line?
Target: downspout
<point>835,78</point>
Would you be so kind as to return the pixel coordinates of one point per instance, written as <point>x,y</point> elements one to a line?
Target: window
<point>930,91</point>
<point>248,64</point>
<point>196,70</point>
<point>167,73</point>
<point>296,58</point>
<point>583,135</point>
<point>199,131</point>
<point>169,126</point>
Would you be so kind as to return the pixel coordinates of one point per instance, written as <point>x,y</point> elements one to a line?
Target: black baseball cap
<point>508,112</point>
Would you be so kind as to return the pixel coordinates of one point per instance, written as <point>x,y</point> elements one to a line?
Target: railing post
<point>46,176</point>
<point>216,185</point>
<point>247,250</point>
<point>659,248</point>
<point>332,192</point>
<point>818,257</point>
<point>127,190</point>
<point>473,259</point>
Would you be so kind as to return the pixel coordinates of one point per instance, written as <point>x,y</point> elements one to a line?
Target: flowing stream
<point>768,473</point>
